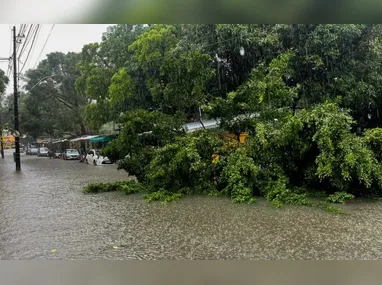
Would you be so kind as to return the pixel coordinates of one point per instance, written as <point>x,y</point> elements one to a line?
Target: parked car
<point>57,155</point>
<point>71,154</point>
<point>94,157</point>
<point>34,151</point>
<point>21,147</point>
<point>29,149</point>
<point>43,151</point>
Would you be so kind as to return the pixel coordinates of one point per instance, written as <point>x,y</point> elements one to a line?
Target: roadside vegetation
<point>308,98</point>
<point>307,89</point>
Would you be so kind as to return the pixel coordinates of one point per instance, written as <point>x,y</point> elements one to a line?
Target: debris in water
<point>53,250</point>
<point>115,247</point>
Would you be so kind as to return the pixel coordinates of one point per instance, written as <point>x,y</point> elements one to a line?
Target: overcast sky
<point>64,38</point>
<point>47,11</point>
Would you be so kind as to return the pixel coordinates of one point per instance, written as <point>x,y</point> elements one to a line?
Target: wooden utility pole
<point>1,136</point>
<point>1,143</point>
<point>16,104</point>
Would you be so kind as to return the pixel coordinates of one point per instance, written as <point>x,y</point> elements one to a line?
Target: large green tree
<point>4,114</point>
<point>176,77</point>
<point>333,60</point>
<point>98,64</point>
<point>3,82</point>
<point>52,106</point>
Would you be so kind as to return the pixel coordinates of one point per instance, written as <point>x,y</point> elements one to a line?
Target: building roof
<point>59,141</point>
<point>83,138</point>
<point>208,124</point>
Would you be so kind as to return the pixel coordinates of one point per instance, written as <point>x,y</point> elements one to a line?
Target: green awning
<point>102,139</point>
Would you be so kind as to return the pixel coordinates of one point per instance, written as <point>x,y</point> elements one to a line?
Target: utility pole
<point>16,105</point>
<point>1,142</point>
<point>1,135</point>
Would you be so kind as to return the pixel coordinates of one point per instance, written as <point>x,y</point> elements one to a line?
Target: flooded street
<point>42,209</point>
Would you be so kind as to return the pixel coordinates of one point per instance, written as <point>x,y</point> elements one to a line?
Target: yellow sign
<point>234,137</point>
<point>10,139</point>
<point>215,158</point>
<point>242,137</point>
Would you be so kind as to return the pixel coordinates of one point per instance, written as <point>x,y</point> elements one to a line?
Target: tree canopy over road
<point>310,84</point>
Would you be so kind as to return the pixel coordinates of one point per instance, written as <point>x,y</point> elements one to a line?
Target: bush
<point>278,194</point>
<point>185,163</point>
<point>129,187</point>
<point>162,195</point>
<point>373,138</point>
<point>318,150</point>
<point>134,187</point>
<point>311,152</point>
<point>239,175</point>
<point>105,187</point>
<point>340,197</point>
<point>329,208</point>
<point>137,163</point>
<point>142,133</point>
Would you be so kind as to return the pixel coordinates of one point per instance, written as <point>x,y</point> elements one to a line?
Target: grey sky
<point>64,38</point>
<point>48,11</point>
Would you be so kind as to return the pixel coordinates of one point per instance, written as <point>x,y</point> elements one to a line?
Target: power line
<point>30,49</point>
<point>10,46</point>
<point>38,34</point>
<point>27,40</point>
<point>22,27</point>
<point>22,31</point>
<point>32,32</point>
<point>43,46</point>
<point>9,71</point>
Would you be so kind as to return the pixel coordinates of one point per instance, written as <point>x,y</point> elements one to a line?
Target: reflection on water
<point>42,209</point>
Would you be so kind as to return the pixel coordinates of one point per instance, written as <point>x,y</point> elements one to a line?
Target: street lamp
<point>46,77</point>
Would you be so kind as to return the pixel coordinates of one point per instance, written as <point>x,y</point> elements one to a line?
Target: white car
<point>94,157</point>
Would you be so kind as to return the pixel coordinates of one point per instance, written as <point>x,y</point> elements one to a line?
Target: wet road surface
<point>42,208</point>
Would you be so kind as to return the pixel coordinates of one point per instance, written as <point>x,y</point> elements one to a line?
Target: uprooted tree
<point>297,90</point>
<point>285,158</point>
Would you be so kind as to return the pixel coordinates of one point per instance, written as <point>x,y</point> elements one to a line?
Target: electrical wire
<point>30,49</point>
<point>22,26</point>
<point>20,34</point>
<point>44,46</point>
<point>26,42</point>
<point>10,56</point>
<point>23,48</point>
<point>38,34</point>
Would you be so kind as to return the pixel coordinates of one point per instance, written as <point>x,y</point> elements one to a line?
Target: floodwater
<point>44,215</point>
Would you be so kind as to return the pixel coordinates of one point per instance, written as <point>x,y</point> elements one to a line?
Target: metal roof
<point>208,124</point>
<point>101,139</point>
<point>84,138</point>
<point>59,141</point>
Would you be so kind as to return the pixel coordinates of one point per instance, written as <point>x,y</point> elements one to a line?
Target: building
<point>8,139</point>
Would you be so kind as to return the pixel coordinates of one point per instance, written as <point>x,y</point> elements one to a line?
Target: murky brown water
<point>42,208</point>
